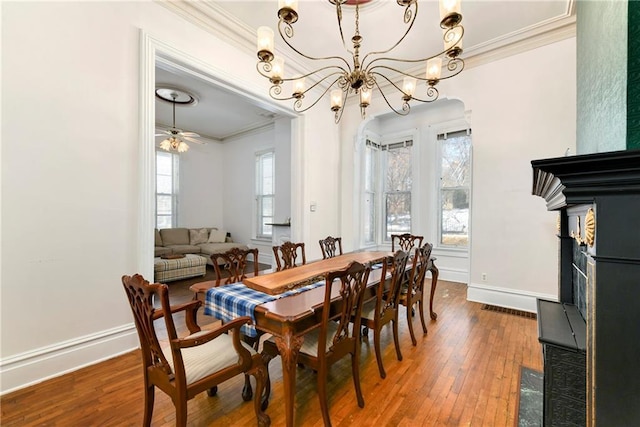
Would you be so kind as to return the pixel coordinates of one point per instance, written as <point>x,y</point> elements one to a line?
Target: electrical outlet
<point>484,277</point>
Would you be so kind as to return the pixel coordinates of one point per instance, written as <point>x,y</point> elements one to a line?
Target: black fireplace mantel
<point>571,180</point>
<point>604,272</point>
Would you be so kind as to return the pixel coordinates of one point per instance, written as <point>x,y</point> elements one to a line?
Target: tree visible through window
<point>455,177</point>
<point>397,189</point>
<point>265,193</point>
<point>166,189</point>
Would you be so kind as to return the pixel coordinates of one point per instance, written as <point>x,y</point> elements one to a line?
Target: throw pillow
<point>197,236</point>
<point>217,236</point>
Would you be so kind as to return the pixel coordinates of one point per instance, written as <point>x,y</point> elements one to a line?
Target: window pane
<point>163,221</point>
<point>267,206</point>
<point>164,184</point>
<point>455,217</point>
<point>399,169</point>
<point>368,218</point>
<point>456,161</point>
<point>163,205</point>
<point>398,207</point>
<point>369,169</point>
<point>163,163</point>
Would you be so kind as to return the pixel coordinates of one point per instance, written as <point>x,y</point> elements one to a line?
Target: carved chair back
<point>331,247</point>
<point>405,242</point>
<point>287,255</point>
<point>231,266</point>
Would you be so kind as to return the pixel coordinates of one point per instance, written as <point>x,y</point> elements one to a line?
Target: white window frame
<point>451,130</point>
<point>263,233</point>
<point>387,146</point>
<point>378,191</point>
<point>370,192</point>
<point>175,161</point>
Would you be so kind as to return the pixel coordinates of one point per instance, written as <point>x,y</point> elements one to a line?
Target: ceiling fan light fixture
<point>176,96</point>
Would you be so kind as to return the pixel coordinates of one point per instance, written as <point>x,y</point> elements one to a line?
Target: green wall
<point>601,75</point>
<point>633,77</point>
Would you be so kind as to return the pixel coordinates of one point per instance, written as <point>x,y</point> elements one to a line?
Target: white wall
<point>238,192</point>
<point>201,181</point>
<point>71,184</point>
<point>521,108</point>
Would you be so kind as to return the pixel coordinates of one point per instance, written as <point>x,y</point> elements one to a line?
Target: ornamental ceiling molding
<point>217,21</point>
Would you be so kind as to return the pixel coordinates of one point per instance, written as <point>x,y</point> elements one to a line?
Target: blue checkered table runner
<point>235,300</point>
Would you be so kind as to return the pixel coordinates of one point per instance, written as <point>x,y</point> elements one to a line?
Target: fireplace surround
<point>597,197</point>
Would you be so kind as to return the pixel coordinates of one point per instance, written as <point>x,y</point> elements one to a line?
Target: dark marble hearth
<point>530,402</point>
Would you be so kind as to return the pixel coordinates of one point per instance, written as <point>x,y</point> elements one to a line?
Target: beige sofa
<point>199,241</point>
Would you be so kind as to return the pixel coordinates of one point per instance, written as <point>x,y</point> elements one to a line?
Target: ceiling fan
<point>175,138</point>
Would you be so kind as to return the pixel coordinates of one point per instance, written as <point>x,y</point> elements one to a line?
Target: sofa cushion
<point>161,250</point>
<point>197,236</point>
<point>185,249</point>
<point>217,236</point>
<point>158,239</point>
<point>175,236</point>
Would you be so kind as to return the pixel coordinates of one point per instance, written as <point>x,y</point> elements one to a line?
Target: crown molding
<point>217,21</point>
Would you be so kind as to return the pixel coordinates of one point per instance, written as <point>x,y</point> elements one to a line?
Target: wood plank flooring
<point>464,372</point>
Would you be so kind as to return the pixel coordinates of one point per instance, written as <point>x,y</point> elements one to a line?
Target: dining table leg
<point>289,346</point>
<point>434,282</point>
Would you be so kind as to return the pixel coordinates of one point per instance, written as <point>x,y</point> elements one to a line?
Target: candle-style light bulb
<point>265,44</point>
<point>434,69</point>
<point>336,99</point>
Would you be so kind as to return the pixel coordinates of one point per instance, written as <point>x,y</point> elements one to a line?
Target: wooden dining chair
<point>382,310</point>
<point>337,336</point>
<point>413,293</point>
<point>287,255</point>
<point>331,247</point>
<point>189,365</point>
<point>231,266</point>
<point>405,242</point>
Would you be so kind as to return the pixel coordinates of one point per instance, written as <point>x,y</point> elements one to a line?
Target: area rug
<point>530,398</point>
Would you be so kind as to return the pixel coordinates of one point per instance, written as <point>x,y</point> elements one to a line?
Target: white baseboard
<point>504,297</point>
<point>32,367</point>
<point>265,258</point>
<point>452,275</point>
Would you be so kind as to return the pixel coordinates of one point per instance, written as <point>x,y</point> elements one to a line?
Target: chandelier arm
<point>409,17</point>
<point>288,33</point>
<point>405,106</point>
<point>455,65</point>
<point>432,92</point>
<point>276,90</point>
<point>266,68</point>
<point>441,53</point>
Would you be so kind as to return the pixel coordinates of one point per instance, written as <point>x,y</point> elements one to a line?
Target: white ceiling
<point>219,115</point>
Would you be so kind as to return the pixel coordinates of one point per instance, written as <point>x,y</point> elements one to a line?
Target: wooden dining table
<point>289,318</point>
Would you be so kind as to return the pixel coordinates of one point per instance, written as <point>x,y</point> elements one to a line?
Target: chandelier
<point>360,75</point>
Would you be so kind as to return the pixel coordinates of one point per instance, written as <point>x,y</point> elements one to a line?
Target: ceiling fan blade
<point>190,134</point>
<point>197,141</point>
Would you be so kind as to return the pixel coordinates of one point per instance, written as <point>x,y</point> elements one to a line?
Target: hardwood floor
<point>464,372</point>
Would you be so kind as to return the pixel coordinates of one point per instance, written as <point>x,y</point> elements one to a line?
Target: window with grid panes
<point>265,193</point>
<point>454,188</point>
<point>166,189</point>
